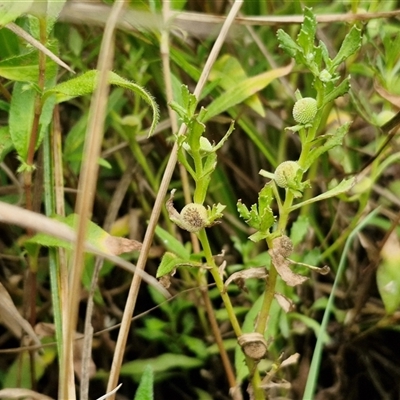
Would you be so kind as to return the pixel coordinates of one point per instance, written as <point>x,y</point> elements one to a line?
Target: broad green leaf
<point>21,117</point>
<point>6,144</point>
<point>228,72</point>
<point>22,114</point>
<point>24,68</point>
<point>145,389</point>
<point>243,90</point>
<point>172,244</point>
<point>85,84</point>
<point>164,363</point>
<point>342,187</point>
<point>351,43</point>
<point>9,44</point>
<point>170,262</point>
<point>12,9</point>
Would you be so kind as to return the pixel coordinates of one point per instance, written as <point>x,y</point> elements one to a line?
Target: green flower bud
<point>194,217</point>
<point>285,174</point>
<point>304,110</point>
<point>325,76</point>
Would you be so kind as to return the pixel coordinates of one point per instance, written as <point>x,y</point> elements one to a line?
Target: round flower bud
<point>285,173</point>
<point>194,217</point>
<point>304,110</point>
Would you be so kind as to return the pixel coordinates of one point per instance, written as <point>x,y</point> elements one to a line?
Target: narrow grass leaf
<point>243,90</point>
<point>145,389</point>
<point>163,363</point>
<point>342,187</point>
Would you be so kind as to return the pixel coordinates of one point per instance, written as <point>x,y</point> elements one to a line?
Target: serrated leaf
<point>86,83</point>
<point>243,90</point>
<point>338,91</point>
<point>145,389</point>
<point>11,10</point>
<point>169,263</point>
<point>351,43</point>
<point>306,36</point>
<point>342,187</point>
<point>335,139</point>
<point>288,44</point>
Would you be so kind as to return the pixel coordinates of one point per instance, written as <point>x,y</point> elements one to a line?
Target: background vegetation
<point>49,135</point>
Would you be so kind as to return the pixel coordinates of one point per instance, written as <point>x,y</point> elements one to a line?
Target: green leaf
<point>306,37</point>
<point>6,144</point>
<point>24,68</point>
<point>228,72</point>
<point>351,43</point>
<point>21,117</point>
<point>288,44</point>
<point>338,91</point>
<point>96,236</point>
<point>243,90</point>
<point>342,187</point>
<point>86,84</point>
<point>11,10</point>
<point>169,263</point>
<point>172,244</point>
<point>335,139</point>
<point>164,363</point>
<point>145,389</point>
<point>299,229</point>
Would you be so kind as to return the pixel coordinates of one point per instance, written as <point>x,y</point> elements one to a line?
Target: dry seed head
<point>305,110</point>
<point>253,345</point>
<point>285,173</point>
<point>194,217</point>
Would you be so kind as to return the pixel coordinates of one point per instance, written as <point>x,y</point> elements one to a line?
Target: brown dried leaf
<point>117,245</point>
<point>286,304</point>
<point>392,98</point>
<point>11,317</point>
<point>259,273</point>
<point>282,266</point>
<point>22,393</point>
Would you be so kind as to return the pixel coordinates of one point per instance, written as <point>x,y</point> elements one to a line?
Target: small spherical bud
<point>285,173</point>
<point>205,145</point>
<point>304,110</point>
<point>325,76</point>
<point>194,217</point>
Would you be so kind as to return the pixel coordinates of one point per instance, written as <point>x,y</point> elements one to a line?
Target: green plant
<point>198,156</point>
